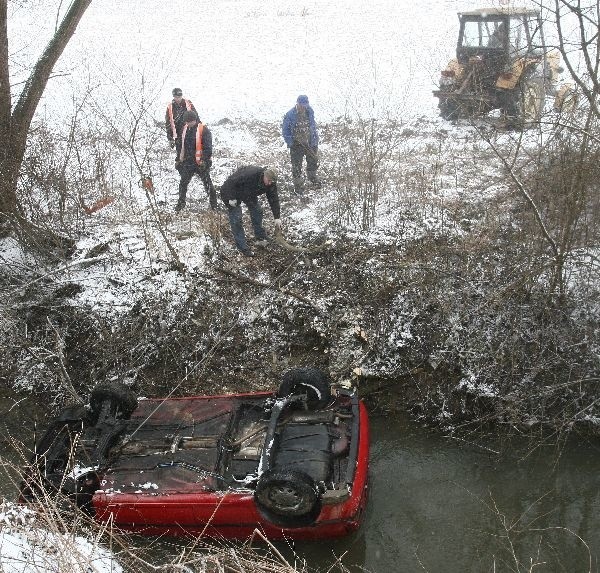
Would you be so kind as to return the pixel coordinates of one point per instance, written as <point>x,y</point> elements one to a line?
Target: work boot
<point>180,205</point>
<point>298,186</point>
<point>315,182</point>
<point>247,252</point>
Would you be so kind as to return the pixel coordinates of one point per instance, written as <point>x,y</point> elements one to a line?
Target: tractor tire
<point>287,498</point>
<point>526,103</point>
<point>449,110</point>
<point>533,100</point>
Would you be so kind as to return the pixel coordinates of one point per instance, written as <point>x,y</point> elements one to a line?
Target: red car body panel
<point>184,506</point>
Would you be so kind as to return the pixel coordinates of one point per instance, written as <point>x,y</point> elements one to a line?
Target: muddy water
<point>442,505</point>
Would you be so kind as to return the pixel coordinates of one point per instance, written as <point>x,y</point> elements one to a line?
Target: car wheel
<point>288,498</point>
<point>76,413</point>
<point>312,381</point>
<point>112,400</point>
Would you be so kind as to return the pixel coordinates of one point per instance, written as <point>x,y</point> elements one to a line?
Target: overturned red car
<point>293,463</point>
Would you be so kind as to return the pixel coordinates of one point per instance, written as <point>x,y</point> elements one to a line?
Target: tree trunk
<point>14,125</point>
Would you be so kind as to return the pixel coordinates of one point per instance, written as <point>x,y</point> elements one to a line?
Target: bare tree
<point>15,121</point>
<point>579,45</point>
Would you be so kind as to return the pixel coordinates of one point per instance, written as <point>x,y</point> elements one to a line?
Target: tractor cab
<point>501,63</point>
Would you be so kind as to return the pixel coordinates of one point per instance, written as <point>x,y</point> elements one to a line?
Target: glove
<point>171,143</point>
<point>277,223</point>
<point>233,202</point>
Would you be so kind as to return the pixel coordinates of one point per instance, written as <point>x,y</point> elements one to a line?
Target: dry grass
<point>58,537</point>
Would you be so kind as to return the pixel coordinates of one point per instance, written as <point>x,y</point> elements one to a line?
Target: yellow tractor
<point>501,63</point>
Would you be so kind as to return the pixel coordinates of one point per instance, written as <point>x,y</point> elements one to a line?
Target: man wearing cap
<point>194,152</point>
<point>174,115</point>
<point>300,133</point>
<point>244,186</point>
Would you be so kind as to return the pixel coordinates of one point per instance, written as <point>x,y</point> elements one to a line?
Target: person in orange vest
<point>194,152</point>
<point>174,116</point>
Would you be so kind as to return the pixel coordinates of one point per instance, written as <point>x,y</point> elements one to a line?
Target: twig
<point>246,279</point>
<point>65,378</point>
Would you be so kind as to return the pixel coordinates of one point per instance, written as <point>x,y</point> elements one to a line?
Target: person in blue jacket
<point>300,133</point>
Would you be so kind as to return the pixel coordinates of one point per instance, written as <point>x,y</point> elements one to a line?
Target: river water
<point>439,504</point>
<point>442,505</point>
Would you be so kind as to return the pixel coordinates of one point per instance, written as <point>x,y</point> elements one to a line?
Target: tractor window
<point>483,34</point>
<point>535,32</point>
<point>517,37</point>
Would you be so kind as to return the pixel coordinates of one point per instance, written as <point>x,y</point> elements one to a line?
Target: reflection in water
<point>438,505</point>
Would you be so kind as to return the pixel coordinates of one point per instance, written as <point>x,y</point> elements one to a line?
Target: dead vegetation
<point>468,310</point>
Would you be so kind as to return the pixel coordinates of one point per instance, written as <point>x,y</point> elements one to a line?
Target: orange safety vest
<point>199,130</point>
<point>188,105</point>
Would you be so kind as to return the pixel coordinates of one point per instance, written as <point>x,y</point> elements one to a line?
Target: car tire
<point>76,413</point>
<point>113,400</point>
<point>288,498</point>
<point>312,381</point>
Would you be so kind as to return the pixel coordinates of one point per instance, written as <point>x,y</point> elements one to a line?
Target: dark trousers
<point>187,170</point>
<point>297,153</point>
<point>237,225</point>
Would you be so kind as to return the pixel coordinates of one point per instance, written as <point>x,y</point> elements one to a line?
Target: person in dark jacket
<point>194,152</point>
<point>300,133</point>
<point>174,116</point>
<point>244,186</point>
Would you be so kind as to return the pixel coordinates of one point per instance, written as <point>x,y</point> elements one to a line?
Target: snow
<point>38,551</point>
<point>245,60</point>
<point>28,547</point>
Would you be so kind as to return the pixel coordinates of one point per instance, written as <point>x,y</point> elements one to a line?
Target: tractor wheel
<point>533,101</point>
<point>526,103</point>
<point>287,498</point>
<point>449,109</point>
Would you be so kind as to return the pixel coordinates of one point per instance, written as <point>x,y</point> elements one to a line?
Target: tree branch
<point>5,102</point>
<point>246,279</point>
<point>527,197</point>
<point>36,83</point>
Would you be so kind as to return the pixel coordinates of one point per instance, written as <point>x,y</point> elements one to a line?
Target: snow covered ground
<point>246,60</point>
<point>249,59</point>
<point>26,547</point>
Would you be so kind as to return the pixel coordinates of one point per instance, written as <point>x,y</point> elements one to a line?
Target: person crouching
<point>244,186</point>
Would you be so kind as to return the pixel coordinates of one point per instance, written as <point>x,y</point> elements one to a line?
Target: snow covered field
<point>249,58</point>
